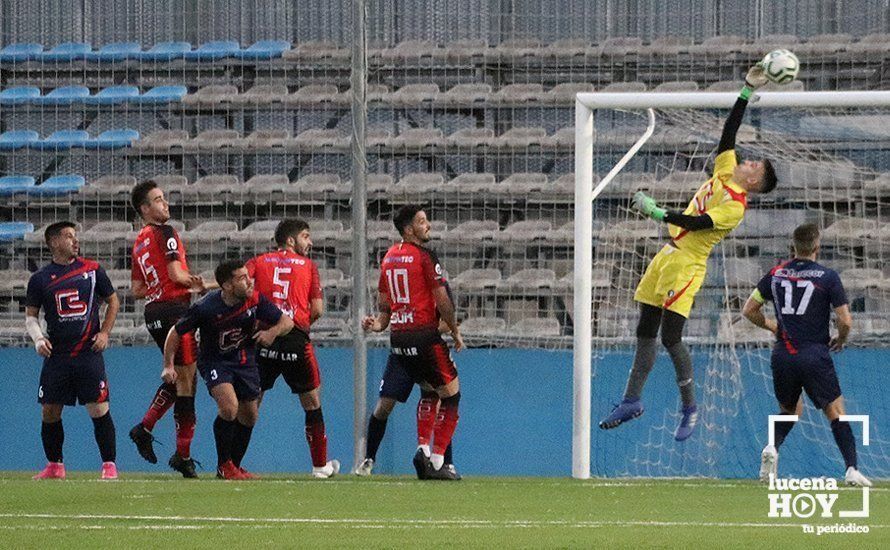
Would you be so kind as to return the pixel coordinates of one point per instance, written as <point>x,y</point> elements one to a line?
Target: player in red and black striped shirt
<point>289,278</point>
<point>413,300</point>
<point>160,275</point>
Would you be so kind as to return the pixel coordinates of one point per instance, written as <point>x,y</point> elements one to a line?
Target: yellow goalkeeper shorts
<point>672,280</point>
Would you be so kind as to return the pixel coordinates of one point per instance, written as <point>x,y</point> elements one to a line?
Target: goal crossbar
<point>585,105</point>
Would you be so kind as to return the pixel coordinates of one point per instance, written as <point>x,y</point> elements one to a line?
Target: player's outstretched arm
<point>753,80</point>
<point>647,205</point>
<point>171,345</point>
<point>32,325</point>
<point>844,326</point>
<point>753,311</point>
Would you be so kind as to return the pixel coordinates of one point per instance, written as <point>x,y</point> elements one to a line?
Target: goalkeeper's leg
<point>672,338</point>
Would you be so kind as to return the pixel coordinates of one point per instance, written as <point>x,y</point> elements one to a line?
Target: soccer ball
<point>780,66</point>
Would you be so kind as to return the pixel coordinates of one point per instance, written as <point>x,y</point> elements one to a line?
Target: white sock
<point>425,449</point>
<point>437,460</point>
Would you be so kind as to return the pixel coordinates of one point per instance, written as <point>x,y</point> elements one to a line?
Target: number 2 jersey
<point>155,247</point>
<point>408,276</point>
<point>226,332</point>
<point>803,294</point>
<point>70,297</point>
<point>289,280</point>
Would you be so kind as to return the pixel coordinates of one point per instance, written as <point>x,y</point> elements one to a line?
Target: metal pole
<point>358,79</point>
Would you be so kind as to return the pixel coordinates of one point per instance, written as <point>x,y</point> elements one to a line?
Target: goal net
<point>831,155</point>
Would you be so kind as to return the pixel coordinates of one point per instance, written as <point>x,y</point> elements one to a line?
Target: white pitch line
<point>408,522</point>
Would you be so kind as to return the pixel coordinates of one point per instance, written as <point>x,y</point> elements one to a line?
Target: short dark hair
<point>770,180</point>
<point>404,216</point>
<point>289,228</point>
<point>805,238</point>
<point>139,194</point>
<point>55,229</point>
<point>225,270</point>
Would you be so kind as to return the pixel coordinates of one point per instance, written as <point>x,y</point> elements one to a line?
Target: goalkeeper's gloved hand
<point>647,205</point>
<point>755,77</point>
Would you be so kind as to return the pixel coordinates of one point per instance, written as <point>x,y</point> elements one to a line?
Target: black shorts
<point>810,369</point>
<point>68,380</point>
<point>396,382</point>
<point>423,356</point>
<point>160,318</point>
<point>292,357</point>
<point>244,378</point>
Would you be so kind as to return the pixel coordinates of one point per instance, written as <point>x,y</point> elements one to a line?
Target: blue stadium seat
<point>10,185</point>
<point>113,139</point>
<point>114,95</point>
<point>10,231</point>
<point>16,139</point>
<point>59,185</point>
<point>18,53</point>
<point>66,51</point>
<point>66,95</point>
<point>19,95</point>
<point>164,51</point>
<point>213,50</point>
<point>164,94</point>
<point>62,139</point>
<point>263,49</point>
<point>117,51</point>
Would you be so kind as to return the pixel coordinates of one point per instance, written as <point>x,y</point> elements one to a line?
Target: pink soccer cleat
<point>109,470</point>
<point>53,470</point>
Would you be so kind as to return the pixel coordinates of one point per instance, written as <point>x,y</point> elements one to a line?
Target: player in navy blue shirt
<point>803,293</point>
<point>70,290</point>
<point>230,321</point>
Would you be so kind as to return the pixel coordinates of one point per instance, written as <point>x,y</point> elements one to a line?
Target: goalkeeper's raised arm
<point>753,80</point>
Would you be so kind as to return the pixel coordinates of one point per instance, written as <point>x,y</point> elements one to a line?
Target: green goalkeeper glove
<point>755,77</point>
<point>647,205</point>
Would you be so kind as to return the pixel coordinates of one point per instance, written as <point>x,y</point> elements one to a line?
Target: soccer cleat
<point>185,466</point>
<point>143,440</point>
<point>769,463</point>
<point>247,475</point>
<point>109,470</point>
<point>53,470</point>
<point>687,423</point>
<point>330,469</point>
<point>420,463</point>
<point>853,477</point>
<point>627,410</point>
<point>364,469</point>
<point>229,471</point>
<point>443,474</point>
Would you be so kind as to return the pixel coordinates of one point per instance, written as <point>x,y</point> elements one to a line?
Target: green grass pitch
<point>160,511</point>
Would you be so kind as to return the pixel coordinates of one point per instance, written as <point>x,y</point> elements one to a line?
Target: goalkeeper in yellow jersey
<point>667,289</point>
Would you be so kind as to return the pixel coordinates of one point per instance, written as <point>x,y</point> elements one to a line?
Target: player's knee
<point>51,413</point>
<point>97,410</point>
<point>384,407</point>
<point>247,415</point>
<point>228,411</point>
<point>449,389</point>
<point>650,319</point>
<point>310,400</point>
<point>835,409</point>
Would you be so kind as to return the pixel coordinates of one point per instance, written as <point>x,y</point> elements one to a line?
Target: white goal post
<point>585,194</point>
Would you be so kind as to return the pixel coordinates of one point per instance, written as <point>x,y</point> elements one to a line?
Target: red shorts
<point>424,356</point>
<point>160,318</point>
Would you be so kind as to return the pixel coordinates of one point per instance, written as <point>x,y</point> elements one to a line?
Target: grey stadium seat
<point>742,273</point>
<point>262,95</point>
<point>417,139</point>
<point>519,93</point>
<point>521,138</point>
<point>525,231</point>
<point>617,46</point>
<point>859,278</point>
<point>267,139</point>
<point>564,138</point>
<point>615,87</point>
<point>162,141</point>
<point>515,48</point>
<point>669,46</point>
<point>318,50</point>
<point>214,187</point>
<point>316,139</point>
<point>418,185</point>
<point>870,43</point>
<point>317,95</point>
<point>823,44</point>
<point>109,187</point>
<point>536,328</point>
<point>473,231</point>
<point>333,278</point>
<point>528,280</point>
<point>258,234</point>
<point>13,282</point>
<point>379,184</point>
<point>382,230</point>
<point>477,280</point>
<point>465,95</point>
<point>469,138</point>
<point>677,86</point>
<point>716,46</point>
<point>568,49</point>
<point>412,51</point>
<point>414,95</point>
<point>464,51</point>
<point>848,230</point>
<point>324,231</point>
<point>210,141</point>
<point>378,137</point>
<point>522,183</point>
<point>209,233</point>
<point>211,96</point>
<point>564,93</point>
<point>483,327</point>
<point>377,93</point>
<point>473,183</point>
<point>725,86</point>
<point>266,187</point>
<point>319,185</point>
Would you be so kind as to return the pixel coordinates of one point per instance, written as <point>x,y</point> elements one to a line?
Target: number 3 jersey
<point>408,276</point>
<point>226,332</point>
<point>289,280</point>
<point>803,294</point>
<point>70,297</point>
<point>155,247</point>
